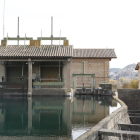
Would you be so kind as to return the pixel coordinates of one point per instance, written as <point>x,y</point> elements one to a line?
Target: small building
<point>41,69</point>
<point>54,67</point>
<point>138,68</point>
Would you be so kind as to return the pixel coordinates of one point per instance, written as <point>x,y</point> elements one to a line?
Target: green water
<point>42,118</point>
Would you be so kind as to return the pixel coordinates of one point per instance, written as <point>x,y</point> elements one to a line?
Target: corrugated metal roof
<point>94,53</point>
<point>44,51</point>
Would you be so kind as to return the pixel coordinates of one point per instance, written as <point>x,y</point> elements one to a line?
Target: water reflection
<point>51,117</point>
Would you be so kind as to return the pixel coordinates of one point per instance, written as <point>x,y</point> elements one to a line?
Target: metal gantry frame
<point>52,38</point>
<point>92,80</point>
<point>18,38</point>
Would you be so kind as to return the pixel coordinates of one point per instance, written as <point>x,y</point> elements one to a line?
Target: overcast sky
<point>86,23</point>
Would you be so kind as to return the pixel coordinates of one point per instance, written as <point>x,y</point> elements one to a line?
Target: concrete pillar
<point>29,114</point>
<point>92,84</point>
<point>29,77</point>
<point>69,75</point>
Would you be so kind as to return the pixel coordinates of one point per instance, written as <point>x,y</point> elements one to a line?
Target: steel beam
<point>34,60</point>
<point>51,38</point>
<point>49,83</point>
<point>13,59</point>
<point>20,38</point>
<point>83,74</point>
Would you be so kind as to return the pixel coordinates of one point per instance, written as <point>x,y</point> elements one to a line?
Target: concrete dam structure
<point>39,69</point>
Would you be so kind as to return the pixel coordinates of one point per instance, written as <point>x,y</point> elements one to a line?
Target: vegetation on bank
<point>125,83</point>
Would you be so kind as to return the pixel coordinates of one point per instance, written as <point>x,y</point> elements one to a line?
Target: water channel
<point>41,118</point>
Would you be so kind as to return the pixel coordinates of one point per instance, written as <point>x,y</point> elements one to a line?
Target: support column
<point>92,84</point>
<point>29,77</point>
<point>69,75</point>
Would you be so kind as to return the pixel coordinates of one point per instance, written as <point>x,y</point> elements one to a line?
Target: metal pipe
<point>83,67</point>
<point>39,60</point>
<point>41,39</point>
<point>24,41</point>
<point>60,39</point>
<point>21,38</point>
<point>59,68</point>
<point>22,69</point>
<point>18,31</point>
<point>51,30</point>
<point>3,19</point>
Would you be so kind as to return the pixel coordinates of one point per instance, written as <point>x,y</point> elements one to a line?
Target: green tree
<point>111,81</point>
<point>134,84</point>
<point>121,80</point>
<point>126,85</point>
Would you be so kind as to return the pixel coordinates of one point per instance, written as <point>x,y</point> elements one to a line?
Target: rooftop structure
<point>53,66</point>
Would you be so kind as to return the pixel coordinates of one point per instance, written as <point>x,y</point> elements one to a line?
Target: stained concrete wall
<point>131,97</point>
<point>2,70</point>
<point>64,74</point>
<point>99,67</point>
<point>110,122</point>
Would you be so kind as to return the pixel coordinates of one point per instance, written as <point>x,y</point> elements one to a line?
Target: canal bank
<point>109,123</point>
<point>122,123</point>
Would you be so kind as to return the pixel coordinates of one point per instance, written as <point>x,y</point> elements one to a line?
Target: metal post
<point>22,69</point>
<point>92,83</point>
<point>3,19</point>
<point>51,30</point>
<point>24,41</point>
<point>83,67</point>
<point>83,73</point>
<point>60,39</point>
<point>7,40</point>
<point>41,39</point>
<point>59,70</point>
<point>29,77</point>
<point>39,75</point>
<point>18,32</point>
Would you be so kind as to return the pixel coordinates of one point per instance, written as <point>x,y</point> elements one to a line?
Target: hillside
<point>114,69</point>
<point>127,72</point>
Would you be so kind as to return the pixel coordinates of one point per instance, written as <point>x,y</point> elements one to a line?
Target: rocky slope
<point>127,72</point>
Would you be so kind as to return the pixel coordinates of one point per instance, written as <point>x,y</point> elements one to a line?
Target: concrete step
<point>130,127</point>
<point>119,133</point>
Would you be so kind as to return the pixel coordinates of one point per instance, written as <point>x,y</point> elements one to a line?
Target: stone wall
<point>131,97</point>
<point>110,122</point>
<point>99,67</point>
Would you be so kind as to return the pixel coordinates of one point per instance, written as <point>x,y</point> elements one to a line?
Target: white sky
<point>86,23</point>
